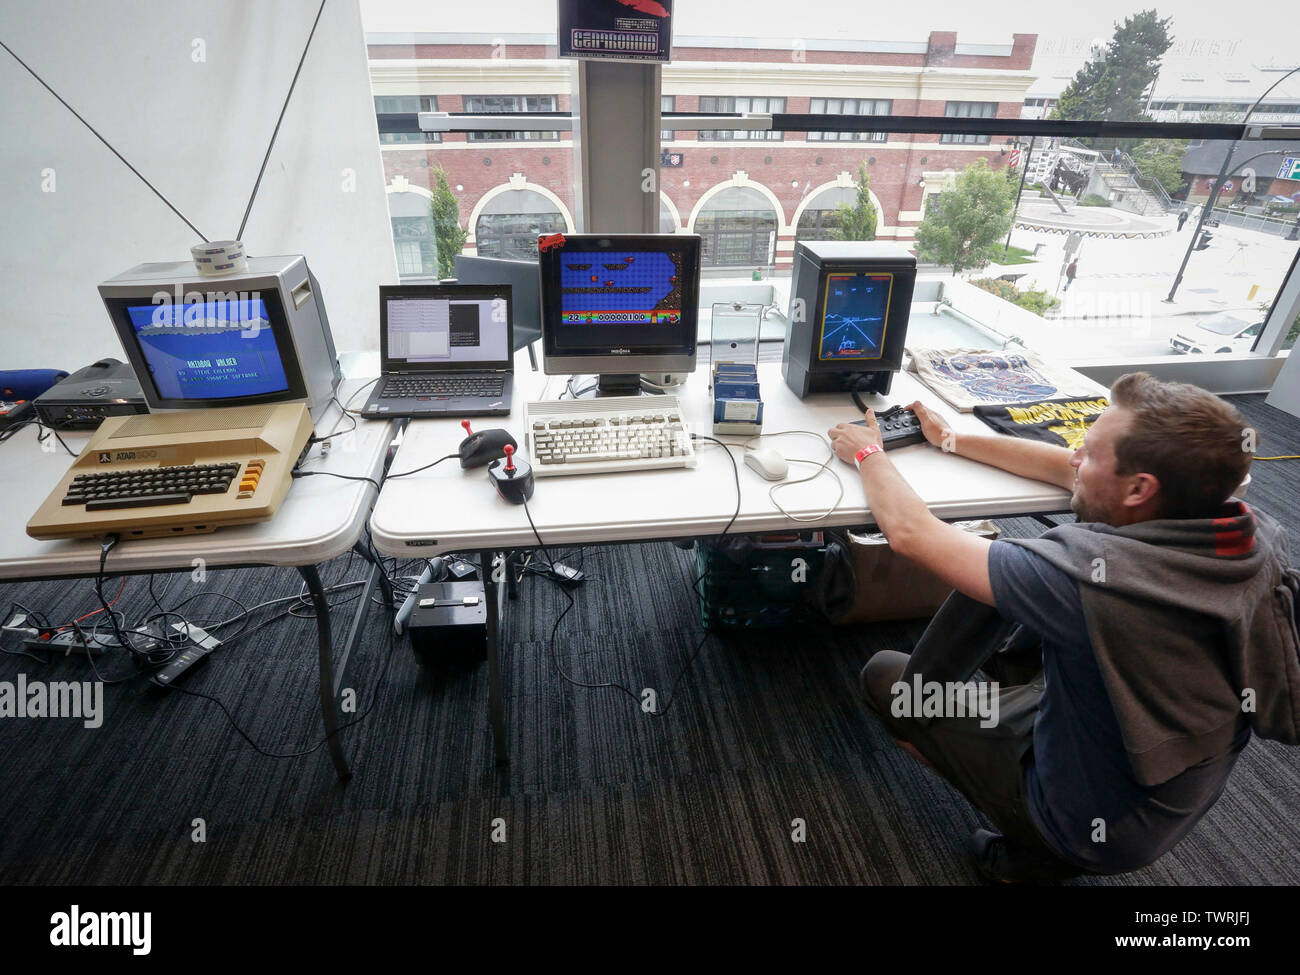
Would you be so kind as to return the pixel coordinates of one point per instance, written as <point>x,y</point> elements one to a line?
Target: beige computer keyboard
<point>177,473</point>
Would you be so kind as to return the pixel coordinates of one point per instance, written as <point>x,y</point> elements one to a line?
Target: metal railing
<point>1282,227</point>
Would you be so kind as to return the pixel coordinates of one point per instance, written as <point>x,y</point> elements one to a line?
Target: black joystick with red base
<point>512,479</point>
<point>478,449</point>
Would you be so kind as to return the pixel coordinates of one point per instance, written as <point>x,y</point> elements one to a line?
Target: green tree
<point>858,222</point>
<point>448,234</point>
<point>1110,85</point>
<point>1162,160</point>
<point>965,226</point>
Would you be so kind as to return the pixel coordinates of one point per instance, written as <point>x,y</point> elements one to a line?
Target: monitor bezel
<point>450,292</point>
<point>676,357</point>
<point>281,331</point>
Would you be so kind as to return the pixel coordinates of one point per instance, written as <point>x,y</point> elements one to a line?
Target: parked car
<point>1219,333</point>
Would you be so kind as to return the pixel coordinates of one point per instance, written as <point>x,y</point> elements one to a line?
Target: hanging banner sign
<point>617,30</point>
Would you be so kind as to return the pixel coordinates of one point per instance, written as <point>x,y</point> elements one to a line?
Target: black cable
<point>265,159</point>
<point>348,414</point>
<point>345,477</point>
<point>672,692</point>
<point>103,140</point>
<point>424,468</point>
<point>734,470</point>
<point>383,672</point>
<point>62,444</point>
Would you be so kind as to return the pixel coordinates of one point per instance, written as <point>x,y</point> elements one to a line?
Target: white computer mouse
<point>768,463</point>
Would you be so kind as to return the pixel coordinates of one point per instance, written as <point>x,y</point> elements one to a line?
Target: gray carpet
<point>763,731</point>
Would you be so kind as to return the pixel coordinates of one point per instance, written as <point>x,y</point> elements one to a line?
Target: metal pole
<point>1205,211</point>
<point>1214,192</point>
<point>1024,171</point>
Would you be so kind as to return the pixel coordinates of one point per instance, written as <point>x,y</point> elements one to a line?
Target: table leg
<point>328,702</point>
<point>493,592</point>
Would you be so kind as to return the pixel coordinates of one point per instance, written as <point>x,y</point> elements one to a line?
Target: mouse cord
<point>823,466</point>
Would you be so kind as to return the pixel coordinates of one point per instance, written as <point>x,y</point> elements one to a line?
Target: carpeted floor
<point>763,731</point>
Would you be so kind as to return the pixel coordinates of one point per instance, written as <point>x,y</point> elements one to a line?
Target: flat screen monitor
<point>619,305</point>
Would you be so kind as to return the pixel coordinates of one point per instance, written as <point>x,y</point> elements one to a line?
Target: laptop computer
<point>444,349</point>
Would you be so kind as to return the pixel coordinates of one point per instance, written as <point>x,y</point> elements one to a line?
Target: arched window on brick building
<point>820,219</point>
<point>738,228</point>
<point>510,222</point>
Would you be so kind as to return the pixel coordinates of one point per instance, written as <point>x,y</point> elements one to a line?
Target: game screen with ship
<point>856,310</point>
<point>209,350</point>
<point>612,297</point>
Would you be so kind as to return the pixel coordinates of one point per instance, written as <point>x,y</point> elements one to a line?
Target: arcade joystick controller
<point>512,479</point>
<point>478,449</point>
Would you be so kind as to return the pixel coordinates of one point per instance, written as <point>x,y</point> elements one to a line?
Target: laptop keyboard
<point>406,387</point>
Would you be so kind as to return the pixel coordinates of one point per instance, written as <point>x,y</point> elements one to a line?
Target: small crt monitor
<point>619,305</point>
<point>258,336</point>
<point>849,307</point>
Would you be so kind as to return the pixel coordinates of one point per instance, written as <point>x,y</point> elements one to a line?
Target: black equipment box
<point>449,622</point>
<point>87,397</point>
<point>760,581</point>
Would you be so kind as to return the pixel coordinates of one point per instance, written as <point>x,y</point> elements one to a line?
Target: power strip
<point>70,644</point>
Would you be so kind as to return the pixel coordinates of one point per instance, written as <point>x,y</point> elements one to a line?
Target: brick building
<point>749,195</point>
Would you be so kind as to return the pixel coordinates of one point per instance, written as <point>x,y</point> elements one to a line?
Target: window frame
<point>825,101</point>
<point>469,104</point>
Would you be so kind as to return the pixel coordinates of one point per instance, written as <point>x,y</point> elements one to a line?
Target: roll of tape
<point>220,257</point>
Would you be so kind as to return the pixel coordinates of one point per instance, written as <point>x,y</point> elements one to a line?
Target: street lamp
<point>1218,182</point>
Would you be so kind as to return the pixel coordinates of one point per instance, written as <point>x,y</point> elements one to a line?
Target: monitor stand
<point>619,384</point>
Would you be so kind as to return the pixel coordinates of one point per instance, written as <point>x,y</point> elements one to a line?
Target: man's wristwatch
<point>866,452</point>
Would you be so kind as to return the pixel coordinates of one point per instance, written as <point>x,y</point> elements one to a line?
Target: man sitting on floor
<point>1161,628</point>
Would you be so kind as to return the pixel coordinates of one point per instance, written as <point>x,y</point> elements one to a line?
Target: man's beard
<point>1084,511</point>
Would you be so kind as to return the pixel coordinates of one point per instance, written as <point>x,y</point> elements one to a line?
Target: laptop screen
<point>436,327</point>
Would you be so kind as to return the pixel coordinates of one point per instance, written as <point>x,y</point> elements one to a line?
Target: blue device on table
<point>27,384</point>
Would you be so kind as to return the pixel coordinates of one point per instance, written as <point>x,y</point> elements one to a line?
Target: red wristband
<point>866,452</point>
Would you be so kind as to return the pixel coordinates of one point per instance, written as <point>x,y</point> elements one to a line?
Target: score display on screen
<point>612,288</point>
<point>855,312</point>
<point>213,350</point>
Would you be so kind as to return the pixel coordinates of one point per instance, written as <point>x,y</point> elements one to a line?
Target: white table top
<point>447,509</point>
<point>320,518</point>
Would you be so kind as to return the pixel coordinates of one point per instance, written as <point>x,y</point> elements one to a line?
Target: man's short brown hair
<point>1197,446</point>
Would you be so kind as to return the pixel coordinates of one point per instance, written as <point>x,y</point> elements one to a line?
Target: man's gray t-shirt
<point>1081,790</point>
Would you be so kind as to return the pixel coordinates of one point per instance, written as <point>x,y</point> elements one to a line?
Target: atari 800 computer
<point>234,369</point>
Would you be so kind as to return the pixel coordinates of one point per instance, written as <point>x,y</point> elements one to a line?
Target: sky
<point>1061,26</point>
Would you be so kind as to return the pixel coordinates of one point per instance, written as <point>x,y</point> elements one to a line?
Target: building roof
<point>1205,158</point>
<point>1217,80</point>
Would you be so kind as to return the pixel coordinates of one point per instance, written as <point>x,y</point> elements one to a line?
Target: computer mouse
<point>768,463</point>
<point>483,447</point>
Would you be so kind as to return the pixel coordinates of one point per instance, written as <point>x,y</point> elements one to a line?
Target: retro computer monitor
<point>619,305</point>
<point>254,337</point>
<point>849,306</point>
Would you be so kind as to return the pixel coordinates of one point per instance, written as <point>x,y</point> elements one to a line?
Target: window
<point>511,222</point>
<point>490,104</point>
<point>820,219</point>
<point>737,228</point>
<point>727,104</point>
<point>667,103</point>
<point>406,105</point>
<point>968,110</point>
<point>413,239</point>
<point>849,106</point>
